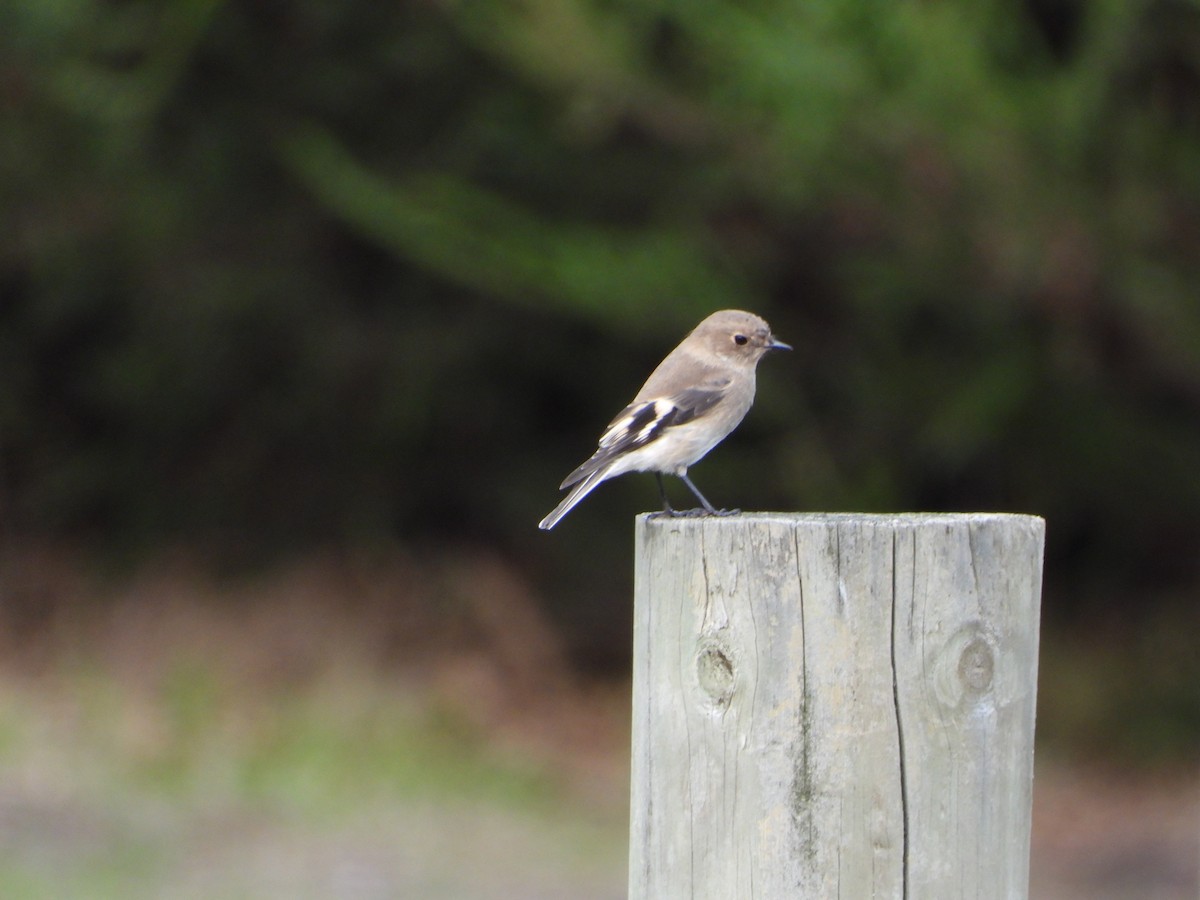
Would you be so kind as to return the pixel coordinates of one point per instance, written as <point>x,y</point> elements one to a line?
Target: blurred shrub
<point>278,273</point>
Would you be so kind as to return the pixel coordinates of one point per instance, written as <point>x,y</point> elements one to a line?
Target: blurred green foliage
<point>281,273</point>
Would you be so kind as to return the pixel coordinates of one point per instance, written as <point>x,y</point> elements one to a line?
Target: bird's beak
<point>778,345</point>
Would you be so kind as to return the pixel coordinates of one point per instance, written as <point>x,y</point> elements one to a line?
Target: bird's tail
<point>581,490</point>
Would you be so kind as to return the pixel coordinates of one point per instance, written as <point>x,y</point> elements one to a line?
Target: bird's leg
<point>667,510</point>
<point>708,507</point>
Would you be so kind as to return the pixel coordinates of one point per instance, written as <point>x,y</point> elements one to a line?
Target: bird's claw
<point>698,513</point>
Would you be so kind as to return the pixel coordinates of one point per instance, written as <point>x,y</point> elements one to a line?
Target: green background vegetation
<point>277,276</point>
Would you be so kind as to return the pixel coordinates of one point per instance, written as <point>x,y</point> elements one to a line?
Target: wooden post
<point>834,706</point>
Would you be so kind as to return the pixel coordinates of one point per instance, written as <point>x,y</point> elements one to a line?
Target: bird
<point>698,394</point>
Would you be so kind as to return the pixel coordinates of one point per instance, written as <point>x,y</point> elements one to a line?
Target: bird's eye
<point>740,339</point>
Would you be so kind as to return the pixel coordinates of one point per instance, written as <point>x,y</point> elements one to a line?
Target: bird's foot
<point>698,513</point>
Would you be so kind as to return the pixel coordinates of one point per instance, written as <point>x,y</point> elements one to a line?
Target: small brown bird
<point>696,396</point>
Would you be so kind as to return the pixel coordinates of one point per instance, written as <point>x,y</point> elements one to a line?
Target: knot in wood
<point>964,667</point>
<point>715,671</point>
<point>976,666</point>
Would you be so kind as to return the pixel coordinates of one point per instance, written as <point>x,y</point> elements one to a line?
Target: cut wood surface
<point>834,705</point>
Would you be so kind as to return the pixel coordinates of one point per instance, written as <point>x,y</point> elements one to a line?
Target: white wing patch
<point>646,418</point>
<point>662,409</point>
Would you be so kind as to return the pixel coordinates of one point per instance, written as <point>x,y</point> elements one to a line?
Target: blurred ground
<point>163,736</point>
<point>1109,835</point>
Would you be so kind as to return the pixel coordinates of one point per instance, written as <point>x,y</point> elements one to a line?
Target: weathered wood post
<point>834,706</point>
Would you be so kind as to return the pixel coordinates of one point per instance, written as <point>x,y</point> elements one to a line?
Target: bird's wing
<point>641,423</point>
